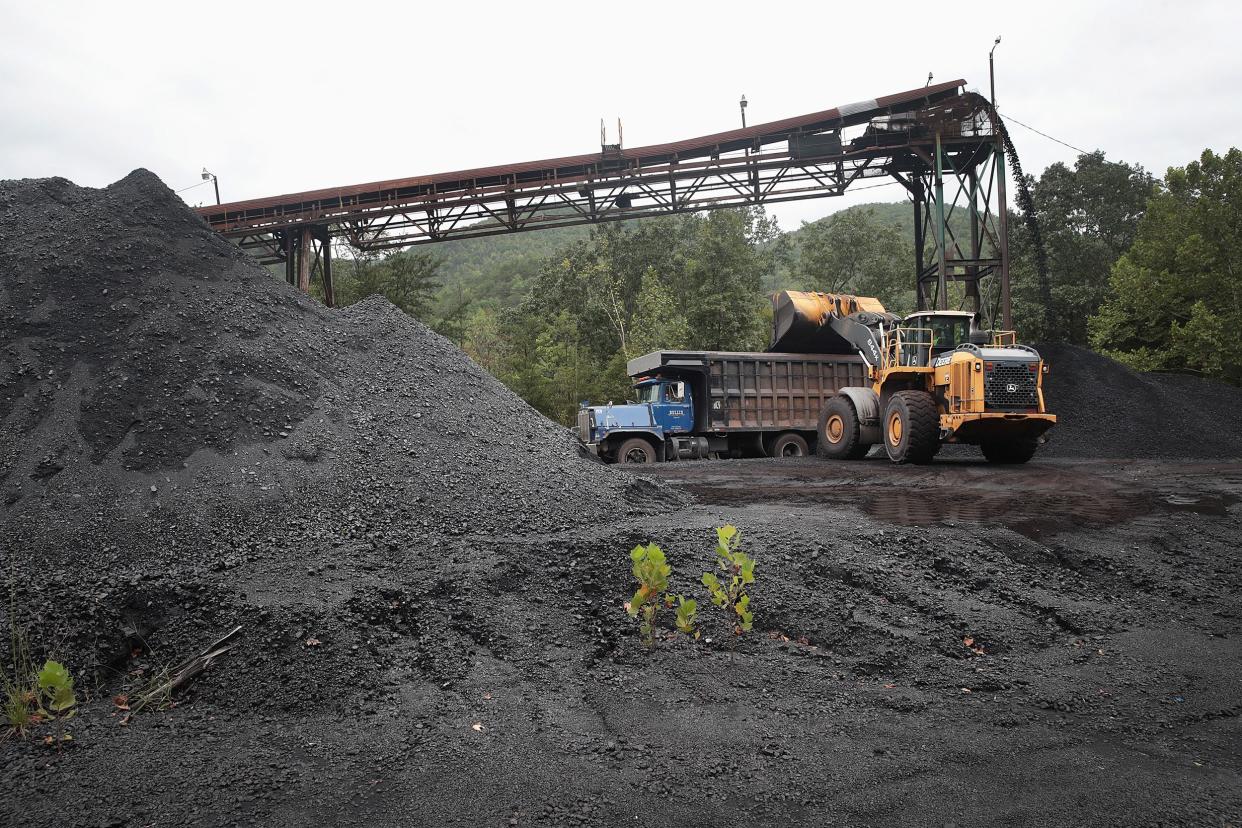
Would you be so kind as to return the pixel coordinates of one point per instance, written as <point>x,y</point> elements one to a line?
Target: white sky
<point>281,97</point>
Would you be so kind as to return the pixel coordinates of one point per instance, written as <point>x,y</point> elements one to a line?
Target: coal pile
<point>429,581</point>
<point>1105,409</point>
<point>187,443</point>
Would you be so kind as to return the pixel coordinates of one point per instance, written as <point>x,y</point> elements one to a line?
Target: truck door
<point>675,412</point>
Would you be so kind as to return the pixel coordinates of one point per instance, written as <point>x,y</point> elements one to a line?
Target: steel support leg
<point>1002,211</point>
<point>942,284</point>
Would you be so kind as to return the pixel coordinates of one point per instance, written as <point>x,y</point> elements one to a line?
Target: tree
<point>409,280</point>
<point>659,323</point>
<point>724,273</point>
<point>1088,217</point>
<point>484,340</point>
<point>1175,300</point>
<point>854,251</point>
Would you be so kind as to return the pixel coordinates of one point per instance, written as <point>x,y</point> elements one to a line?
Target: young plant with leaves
<point>56,697</point>
<point>739,571</point>
<point>652,571</point>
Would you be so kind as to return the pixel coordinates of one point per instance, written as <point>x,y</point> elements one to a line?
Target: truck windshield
<point>648,393</point>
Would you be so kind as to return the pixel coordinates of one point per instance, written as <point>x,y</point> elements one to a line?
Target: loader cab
<point>944,330</point>
<point>930,333</point>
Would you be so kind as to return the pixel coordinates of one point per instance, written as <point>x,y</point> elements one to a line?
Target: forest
<point>1143,269</point>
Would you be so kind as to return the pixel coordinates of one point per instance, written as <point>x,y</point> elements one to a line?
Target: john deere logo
<point>1012,388</point>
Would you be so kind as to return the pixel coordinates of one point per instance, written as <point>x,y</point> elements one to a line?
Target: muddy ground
<point>1101,685</point>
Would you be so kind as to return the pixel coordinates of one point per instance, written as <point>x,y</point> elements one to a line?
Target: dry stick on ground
<point>183,673</point>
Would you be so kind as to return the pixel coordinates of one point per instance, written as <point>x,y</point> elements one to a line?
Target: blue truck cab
<point>638,432</point>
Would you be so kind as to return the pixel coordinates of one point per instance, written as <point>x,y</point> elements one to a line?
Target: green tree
<point>1175,299</point>
<point>722,286</point>
<point>855,251</point>
<point>483,339</point>
<point>658,322</point>
<point>1088,216</point>
<point>409,280</point>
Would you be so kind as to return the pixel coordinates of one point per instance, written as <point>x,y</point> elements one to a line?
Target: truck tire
<point>1009,452</point>
<point>838,436</point>
<point>788,444</point>
<point>638,451</point>
<point>911,427</point>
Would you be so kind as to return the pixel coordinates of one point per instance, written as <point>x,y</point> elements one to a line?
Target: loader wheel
<point>636,450</point>
<point>839,432</point>
<point>1010,452</point>
<point>789,445</point>
<point>911,427</point>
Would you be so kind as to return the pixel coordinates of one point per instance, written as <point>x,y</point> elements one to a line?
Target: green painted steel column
<point>942,282</point>
<point>1002,209</point>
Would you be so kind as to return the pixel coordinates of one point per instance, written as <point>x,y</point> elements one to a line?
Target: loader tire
<point>911,427</point>
<point>838,435</point>
<point>1010,452</point>
<point>636,450</point>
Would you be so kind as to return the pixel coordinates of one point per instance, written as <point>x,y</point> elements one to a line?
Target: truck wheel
<point>788,445</point>
<point>637,450</point>
<point>911,427</point>
<point>1009,452</point>
<point>838,436</point>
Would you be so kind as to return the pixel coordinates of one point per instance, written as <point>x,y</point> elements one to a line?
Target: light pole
<point>742,106</point>
<point>992,70</point>
<point>215,182</point>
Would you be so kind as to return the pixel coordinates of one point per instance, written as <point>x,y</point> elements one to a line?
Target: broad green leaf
<point>54,675</point>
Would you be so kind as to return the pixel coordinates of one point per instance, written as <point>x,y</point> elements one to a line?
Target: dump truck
<point>693,405</point>
<point>842,375</point>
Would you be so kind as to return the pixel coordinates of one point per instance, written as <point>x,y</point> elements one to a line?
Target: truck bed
<point>753,391</point>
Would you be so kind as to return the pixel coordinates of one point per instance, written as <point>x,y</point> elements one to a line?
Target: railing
<point>1003,339</point>
<point>907,347</point>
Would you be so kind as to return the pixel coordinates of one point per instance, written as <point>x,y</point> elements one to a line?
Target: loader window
<point>949,331</point>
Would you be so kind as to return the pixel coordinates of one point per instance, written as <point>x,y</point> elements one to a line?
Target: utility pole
<point>992,70</point>
<point>742,106</point>
<point>215,182</point>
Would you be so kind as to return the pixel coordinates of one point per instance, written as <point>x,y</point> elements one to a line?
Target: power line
<point>1079,150</point>
<point>192,186</point>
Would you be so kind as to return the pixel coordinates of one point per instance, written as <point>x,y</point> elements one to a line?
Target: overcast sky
<point>281,97</point>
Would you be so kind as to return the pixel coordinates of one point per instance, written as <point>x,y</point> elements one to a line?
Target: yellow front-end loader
<point>935,379</point>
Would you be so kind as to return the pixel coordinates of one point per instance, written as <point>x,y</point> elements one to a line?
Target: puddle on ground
<point>1035,514</point>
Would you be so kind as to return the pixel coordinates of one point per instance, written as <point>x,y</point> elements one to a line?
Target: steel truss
<point>928,140</point>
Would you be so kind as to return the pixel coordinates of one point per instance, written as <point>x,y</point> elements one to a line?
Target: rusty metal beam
<point>918,138</point>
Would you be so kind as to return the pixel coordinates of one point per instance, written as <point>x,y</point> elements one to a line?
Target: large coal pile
<point>1104,409</point>
<point>187,444</point>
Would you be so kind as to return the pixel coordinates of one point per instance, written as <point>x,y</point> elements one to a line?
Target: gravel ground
<point>429,579</point>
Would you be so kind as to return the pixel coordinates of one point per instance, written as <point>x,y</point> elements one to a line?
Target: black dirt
<point>429,577</point>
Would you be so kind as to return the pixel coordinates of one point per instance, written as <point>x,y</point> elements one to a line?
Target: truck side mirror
<point>679,390</point>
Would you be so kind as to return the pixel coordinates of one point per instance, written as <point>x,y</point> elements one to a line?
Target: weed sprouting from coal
<point>57,700</point>
<point>731,594</point>
<point>652,571</point>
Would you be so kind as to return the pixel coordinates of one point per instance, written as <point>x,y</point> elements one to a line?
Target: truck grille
<point>584,425</point>
<point>1010,385</point>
